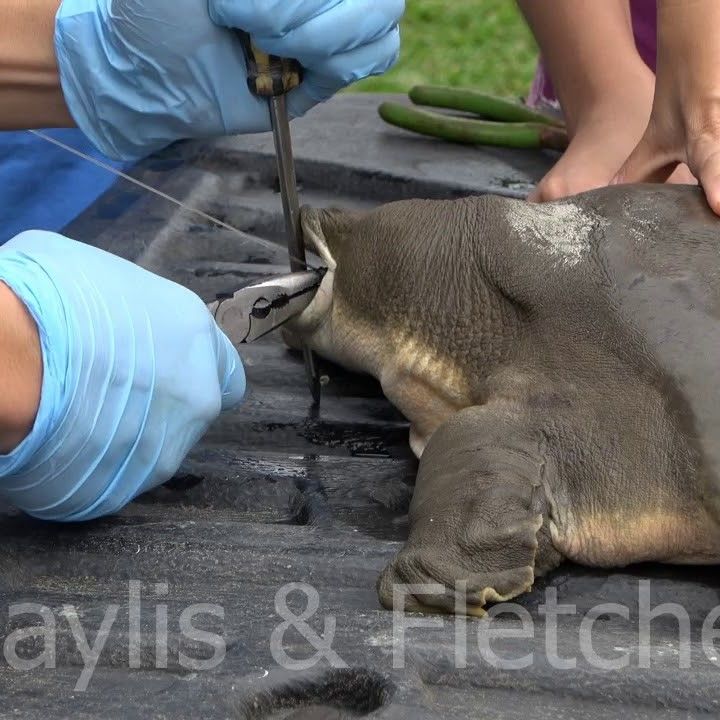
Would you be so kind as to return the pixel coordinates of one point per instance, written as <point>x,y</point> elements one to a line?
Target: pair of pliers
<point>253,311</point>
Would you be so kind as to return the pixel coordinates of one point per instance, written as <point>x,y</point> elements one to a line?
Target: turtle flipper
<point>476,517</point>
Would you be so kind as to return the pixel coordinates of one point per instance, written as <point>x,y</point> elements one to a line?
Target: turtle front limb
<point>477,519</point>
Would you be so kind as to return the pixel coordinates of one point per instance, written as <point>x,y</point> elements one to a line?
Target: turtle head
<point>395,274</point>
<point>331,234</point>
<point>327,231</point>
<point>379,279</point>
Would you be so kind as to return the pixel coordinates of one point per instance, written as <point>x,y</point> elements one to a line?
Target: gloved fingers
<point>231,374</point>
<point>267,17</point>
<point>311,28</point>
<point>347,27</point>
<point>342,70</point>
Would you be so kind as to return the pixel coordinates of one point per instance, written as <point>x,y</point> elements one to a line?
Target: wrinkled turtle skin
<point>560,368</point>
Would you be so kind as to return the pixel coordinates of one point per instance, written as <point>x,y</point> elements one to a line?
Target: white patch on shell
<point>560,230</point>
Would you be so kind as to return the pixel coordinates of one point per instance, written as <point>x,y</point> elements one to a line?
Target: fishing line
<point>119,173</point>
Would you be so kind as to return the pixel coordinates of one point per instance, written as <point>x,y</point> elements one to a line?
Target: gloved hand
<point>140,74</point>
<point>134,370</point>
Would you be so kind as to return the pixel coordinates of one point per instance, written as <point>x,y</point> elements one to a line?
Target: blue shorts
<point>42,186</point>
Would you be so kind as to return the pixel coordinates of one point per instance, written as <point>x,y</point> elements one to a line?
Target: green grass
<point>483,44</point>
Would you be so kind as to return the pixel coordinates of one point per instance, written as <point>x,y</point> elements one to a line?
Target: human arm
<point>587,47</point>
<point>30,94</point>
<point>604,88</point>
<point>140,74</point>
<point>684,125</point>
<point>20,370</point>
<point>136,75</point>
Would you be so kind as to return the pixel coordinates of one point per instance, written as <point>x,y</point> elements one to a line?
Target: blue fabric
<point>45,187</point>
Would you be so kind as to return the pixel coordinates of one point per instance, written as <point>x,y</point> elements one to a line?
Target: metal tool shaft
<point>291,212</point>
<point>288,181</point>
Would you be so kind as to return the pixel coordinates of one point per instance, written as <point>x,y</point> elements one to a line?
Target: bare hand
<point>605,135</point>
<point>684,125</point>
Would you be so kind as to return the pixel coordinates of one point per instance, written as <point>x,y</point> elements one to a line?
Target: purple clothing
<point>644,22</point>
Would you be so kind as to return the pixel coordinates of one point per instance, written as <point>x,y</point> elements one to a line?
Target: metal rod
<point>288,181</point>
<point>291,212</point>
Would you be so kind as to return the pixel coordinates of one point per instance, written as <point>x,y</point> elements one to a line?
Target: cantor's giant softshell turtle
<point>560,368</point>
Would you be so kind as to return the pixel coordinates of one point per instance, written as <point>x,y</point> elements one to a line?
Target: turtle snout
<point>308,328</point>
<point>311,221</point>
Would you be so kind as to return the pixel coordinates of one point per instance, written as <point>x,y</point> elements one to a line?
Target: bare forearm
<point>684,125</point>
<point>30,93</point>
<point>588,47</point>
<point>20,370</point>
<point>689,48</point>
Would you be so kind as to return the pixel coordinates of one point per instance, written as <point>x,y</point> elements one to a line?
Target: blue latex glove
<point>134,371</point>
<point>140,74</point>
